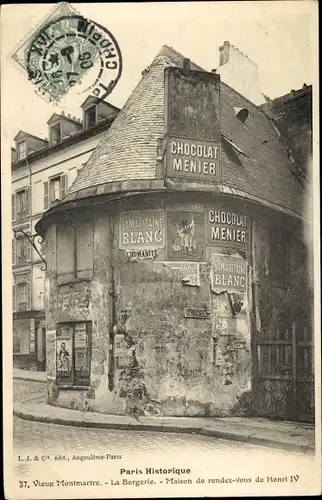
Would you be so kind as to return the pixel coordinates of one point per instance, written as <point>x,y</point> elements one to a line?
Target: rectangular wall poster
<point>228,273</point>
<point>81,348</point>
<point>227,226</point>
<point>185,232</point>
<point>140,230</point>
<point>64,357</point>
<point>186,272</point>
<point>193,159</point>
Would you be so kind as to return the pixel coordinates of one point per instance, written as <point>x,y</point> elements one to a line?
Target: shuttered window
<point>75,248</point>
<point>84,246</point>
<point>22,296</point>
<point>13,206</point>
<point>21,292</point>
<point>65,257</point>
<point>14,245</point>
<point>21,251</point>
<point>54,190</point>
<point>46,196</point>
<point>21,204</point>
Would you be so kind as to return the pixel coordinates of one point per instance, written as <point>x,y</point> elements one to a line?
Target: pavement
<point>293,436</point>
<point>29,375</point>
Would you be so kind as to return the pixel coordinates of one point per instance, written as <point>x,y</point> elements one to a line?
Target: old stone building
<point>177,281</point>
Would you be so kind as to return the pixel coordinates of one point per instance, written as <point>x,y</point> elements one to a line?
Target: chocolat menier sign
<point>193,159</point>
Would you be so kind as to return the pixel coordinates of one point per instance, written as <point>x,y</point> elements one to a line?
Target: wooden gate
<point>284,374</point>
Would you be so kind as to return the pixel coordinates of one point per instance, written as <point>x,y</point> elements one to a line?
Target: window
<point>55,134</point>
<point>21,251</point>
<point>73,351</point>
<point>22,296</point>
<point>21,292</point>
<point>20,204</point>
<point>279,257</point>
<point>90,117</point>
<point>54,190</point>
<point>21,150</point>
<point>75,246</point>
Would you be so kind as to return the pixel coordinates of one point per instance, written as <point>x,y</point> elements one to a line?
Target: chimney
<point>224,53</point>
<point>62,113</point>
<point>240,73</point>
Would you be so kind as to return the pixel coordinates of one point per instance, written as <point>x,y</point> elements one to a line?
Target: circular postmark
<point>58,56</point>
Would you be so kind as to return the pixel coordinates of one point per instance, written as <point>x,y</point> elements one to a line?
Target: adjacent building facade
<point>177,279</point>
<point>42,171</point>
<point>292,115</point>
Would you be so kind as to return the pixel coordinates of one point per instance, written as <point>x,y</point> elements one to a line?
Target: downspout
<point>30,187</point>
<point>30,263</point>
<point>253,314</point>
<point>112,302</point>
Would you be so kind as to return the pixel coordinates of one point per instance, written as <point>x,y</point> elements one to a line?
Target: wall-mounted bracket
<point>32,238</point>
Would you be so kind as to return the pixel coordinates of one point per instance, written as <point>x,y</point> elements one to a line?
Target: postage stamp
<point>64,49</point>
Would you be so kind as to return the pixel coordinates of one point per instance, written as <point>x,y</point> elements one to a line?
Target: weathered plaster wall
<point>279,308</point>
<point>175,365</point>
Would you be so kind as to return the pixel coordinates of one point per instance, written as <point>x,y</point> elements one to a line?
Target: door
<point>284,374</point>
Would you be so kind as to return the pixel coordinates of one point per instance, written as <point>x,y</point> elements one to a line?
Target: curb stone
<point>29,379</point>
<point>26,414</point>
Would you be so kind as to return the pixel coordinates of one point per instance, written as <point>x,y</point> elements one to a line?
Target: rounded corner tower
<point>176,263</point>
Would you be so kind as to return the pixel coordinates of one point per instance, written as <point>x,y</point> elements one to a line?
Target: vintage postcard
<point>160,173</point>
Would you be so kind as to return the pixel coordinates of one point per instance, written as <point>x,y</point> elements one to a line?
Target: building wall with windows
<point>42,172</point>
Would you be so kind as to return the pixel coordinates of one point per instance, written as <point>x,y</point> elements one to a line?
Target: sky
<point>279,36</point>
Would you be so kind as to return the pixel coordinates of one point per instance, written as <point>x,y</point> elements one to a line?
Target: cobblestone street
<point>47,451</point>
<point>40,437</point>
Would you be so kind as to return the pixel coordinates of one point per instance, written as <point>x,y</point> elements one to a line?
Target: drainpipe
<point>30,190</point>
<point>112,308</point>
<point>30,263</point>
<point>253,314</point>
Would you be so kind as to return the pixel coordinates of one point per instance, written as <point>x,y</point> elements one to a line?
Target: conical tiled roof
<point>128,151</point>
